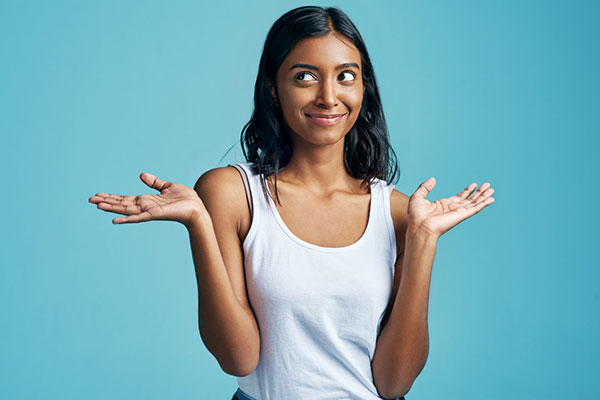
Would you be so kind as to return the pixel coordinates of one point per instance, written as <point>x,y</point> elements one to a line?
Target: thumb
<point>152,181</point>
<point>424,188</point>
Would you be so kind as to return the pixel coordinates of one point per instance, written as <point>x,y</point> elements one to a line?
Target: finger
<point>98,197</point>
<point>113,198</point>
<point>107,200</point>
<point>142,217</point>
<point>480,205</point>
<point>479,191</point>
<point>488,193</point>
<point>483,196</point>
<point>484,204</point>
<point>425,188</point>
<point>476,198</point>
<point>127,209</point>
<point>465,193</point>
<point>153,181</point>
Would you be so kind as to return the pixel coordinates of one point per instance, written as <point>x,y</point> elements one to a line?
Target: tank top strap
<point>383,224</point>
<point>258,204</point>
<point>386,208</point>
<point>247,184</point>
<point>253,186</point>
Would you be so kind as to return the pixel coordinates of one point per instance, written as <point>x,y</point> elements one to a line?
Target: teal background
<point>94,93</point>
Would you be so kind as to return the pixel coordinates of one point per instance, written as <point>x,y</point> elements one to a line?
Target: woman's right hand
<point>174,203</point>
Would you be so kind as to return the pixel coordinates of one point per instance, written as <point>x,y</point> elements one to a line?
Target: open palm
<point>438,217</point>
<point>175,202</point>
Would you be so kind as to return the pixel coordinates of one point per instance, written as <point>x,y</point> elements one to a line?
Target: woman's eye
<point>347,76</point>
<point>303,76</point>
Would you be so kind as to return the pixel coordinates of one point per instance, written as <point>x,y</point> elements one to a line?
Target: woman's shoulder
<point>222,191</point>
<point>399,197</point>
<point>220,181</point>
<point>398,200</point>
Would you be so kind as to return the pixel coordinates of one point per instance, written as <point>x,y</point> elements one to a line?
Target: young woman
<point>313,271</point>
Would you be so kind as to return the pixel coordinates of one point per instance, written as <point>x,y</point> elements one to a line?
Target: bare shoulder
<point>218,182</point>
<point>399,207</point>
<point>222,192</point>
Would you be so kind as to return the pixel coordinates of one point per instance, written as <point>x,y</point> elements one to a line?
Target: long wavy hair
<point>266,141</point>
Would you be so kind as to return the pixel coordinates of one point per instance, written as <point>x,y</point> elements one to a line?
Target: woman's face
<point>320,88</point>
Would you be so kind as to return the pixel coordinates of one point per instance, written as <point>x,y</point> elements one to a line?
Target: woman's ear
<point>273,92</point>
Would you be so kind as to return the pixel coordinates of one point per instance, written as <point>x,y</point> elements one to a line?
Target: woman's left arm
<point>403,344</point>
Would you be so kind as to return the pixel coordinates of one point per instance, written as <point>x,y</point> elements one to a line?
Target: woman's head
<point>267,141</point>
<point>319,90</point>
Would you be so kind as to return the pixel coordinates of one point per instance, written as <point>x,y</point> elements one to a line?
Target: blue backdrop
<point>94,93</point>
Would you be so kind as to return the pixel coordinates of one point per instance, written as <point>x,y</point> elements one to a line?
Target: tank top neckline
<point>302,242</point>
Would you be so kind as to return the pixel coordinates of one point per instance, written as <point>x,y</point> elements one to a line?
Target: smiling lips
<point>325,119</point>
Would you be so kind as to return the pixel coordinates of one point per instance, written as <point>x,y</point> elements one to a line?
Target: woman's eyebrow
<point>347,65</point>
<point>315,68</point>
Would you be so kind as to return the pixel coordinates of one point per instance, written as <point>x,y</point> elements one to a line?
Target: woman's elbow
<point>240,369</point>
<point>239,359</point>
<point>397,391</point>
<point>238,363</point>
<point>392,386</point>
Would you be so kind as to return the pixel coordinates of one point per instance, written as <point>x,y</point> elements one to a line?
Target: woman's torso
<point>319,275</point>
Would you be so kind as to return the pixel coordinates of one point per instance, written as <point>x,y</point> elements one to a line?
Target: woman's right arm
<point>214,212</point>
<point>227,323</point>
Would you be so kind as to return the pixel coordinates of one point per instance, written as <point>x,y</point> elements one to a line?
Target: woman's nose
<point>327,95</point>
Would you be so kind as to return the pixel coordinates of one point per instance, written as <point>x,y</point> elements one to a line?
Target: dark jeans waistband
<point>239,395</point>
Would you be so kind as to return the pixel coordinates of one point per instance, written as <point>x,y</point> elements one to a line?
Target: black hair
<point>265,140</point>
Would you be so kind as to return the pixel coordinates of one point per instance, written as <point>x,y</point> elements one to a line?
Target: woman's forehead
<point>330,50</point>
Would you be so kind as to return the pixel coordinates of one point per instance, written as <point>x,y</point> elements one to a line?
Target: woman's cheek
<point>354,104</point>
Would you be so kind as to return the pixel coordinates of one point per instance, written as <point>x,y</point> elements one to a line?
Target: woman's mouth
<point>325,119</point>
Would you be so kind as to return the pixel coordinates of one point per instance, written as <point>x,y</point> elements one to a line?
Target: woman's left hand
<point>436,218</point>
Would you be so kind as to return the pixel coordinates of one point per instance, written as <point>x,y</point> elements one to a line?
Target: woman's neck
<point>320,169</point>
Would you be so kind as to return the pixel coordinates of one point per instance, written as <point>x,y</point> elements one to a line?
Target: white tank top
<point>318,309</point>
